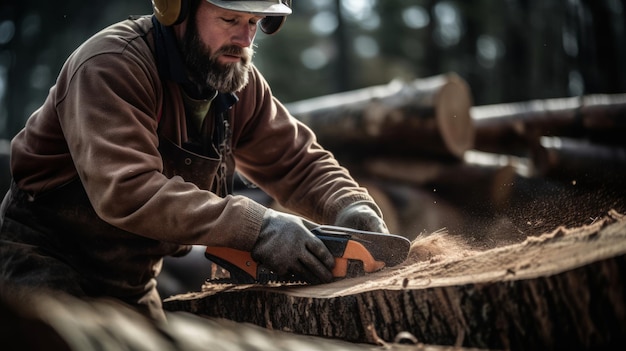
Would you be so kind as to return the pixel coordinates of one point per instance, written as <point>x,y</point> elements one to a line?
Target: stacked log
<point>428,116</point>
<point>512,127</point>
<point>571,139</point>
<point>580,161</point>
<point>402,134</point>
<point>432,119</point>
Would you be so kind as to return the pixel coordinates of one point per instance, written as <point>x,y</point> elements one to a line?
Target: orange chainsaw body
<point>367,251</point>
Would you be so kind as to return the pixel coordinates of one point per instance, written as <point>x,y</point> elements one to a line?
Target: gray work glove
<point>286,246</point>
<point>362,217</point>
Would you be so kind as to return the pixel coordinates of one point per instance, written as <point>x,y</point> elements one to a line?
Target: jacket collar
<point>172,67</point>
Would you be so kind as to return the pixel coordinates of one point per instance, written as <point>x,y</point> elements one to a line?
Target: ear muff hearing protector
<point>171,12</point>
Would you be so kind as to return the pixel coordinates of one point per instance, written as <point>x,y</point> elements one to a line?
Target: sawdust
<point>438,246</point>
<point>453,261</point>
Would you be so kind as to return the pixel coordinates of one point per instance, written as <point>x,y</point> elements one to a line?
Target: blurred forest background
<point>507,50</point>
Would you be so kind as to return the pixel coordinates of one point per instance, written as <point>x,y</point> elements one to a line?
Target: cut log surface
<point>560,290</point>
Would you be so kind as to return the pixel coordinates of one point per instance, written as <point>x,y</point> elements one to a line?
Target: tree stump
<point>560,290</point>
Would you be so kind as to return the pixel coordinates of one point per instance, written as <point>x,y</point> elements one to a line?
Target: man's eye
<point>228,20</point>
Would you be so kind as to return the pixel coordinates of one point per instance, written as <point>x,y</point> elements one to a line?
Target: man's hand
<point>286,245</point>
<point>362,217</point>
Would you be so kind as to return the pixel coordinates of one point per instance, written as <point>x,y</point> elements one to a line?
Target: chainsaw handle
<point>240,265</point>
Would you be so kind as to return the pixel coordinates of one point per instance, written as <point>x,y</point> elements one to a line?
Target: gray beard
<point>207,72</point>
<point>228,78</point>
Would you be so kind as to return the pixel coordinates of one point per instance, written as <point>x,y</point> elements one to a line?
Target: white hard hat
<point>260,7</point>
<point>170,12</point>
<point>273,10</point>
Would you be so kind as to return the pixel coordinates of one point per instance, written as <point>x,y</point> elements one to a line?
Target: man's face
<point>217,47</point>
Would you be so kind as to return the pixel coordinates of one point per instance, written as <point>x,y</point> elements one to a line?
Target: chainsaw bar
<point>356,253</point>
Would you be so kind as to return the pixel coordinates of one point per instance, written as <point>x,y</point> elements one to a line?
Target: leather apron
<point>57,241</point>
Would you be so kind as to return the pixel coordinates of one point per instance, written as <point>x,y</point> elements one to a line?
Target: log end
<point>453,104</point>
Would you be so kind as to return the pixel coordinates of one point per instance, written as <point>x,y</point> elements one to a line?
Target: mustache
<point>244,53</point>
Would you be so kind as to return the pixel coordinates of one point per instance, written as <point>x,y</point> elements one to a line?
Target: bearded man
<point>131,159</point>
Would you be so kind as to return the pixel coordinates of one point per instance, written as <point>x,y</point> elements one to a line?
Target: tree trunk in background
<point>516,127</point>
<point>581,162</point>
<point>488,190</point>
<point>427,116</point>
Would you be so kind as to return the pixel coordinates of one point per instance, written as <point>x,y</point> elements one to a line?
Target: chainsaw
<point>356,252</point>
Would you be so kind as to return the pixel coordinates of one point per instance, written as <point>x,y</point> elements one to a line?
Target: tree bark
<point>427,116</point>
<point>43,320</point>
<point>561,290</point>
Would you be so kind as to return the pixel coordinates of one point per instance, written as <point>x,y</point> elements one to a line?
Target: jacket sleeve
<point>281,155</point>
<point>108,116</point>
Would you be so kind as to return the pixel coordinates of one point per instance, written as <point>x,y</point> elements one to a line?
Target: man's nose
<point>245,35</point>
